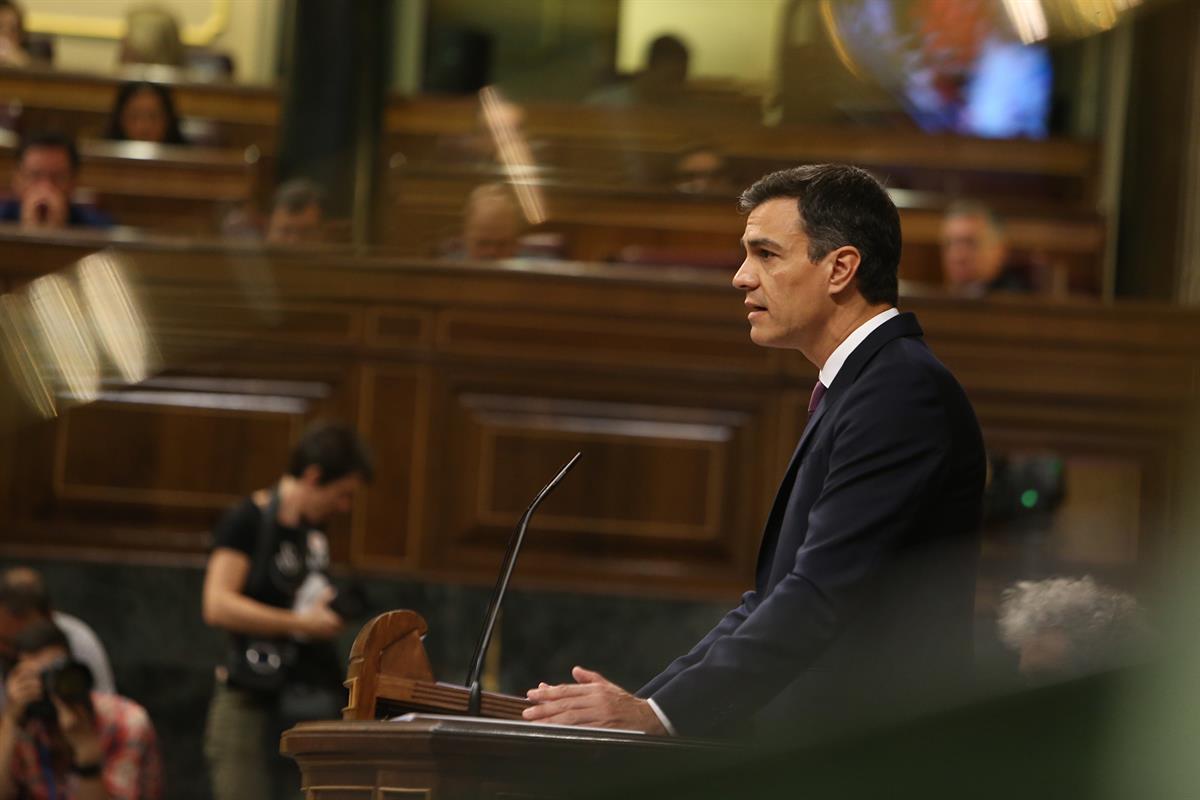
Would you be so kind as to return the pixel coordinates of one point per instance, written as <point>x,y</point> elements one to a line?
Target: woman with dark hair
<point>144,112</point>
<point>14,49</point>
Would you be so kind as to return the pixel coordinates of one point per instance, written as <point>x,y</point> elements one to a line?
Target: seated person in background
<point>1065,628</point>
<point>152,37</point>
<point>13,47</point>
<point>42,185</point>
<point>663,80</point>
<point>24,601</point>
<point>266,586</point>
<point>492,224</point>
<point>975,252</point>
<point>74,744</point>
<point>702,170</point>
<point>144,112</point>
<point>297,213</point>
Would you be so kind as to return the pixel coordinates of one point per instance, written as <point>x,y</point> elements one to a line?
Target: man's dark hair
<point>23,599</point>
<point>841,205</point>
<point>298,194</point>
<point>39,636</point>
<point>666,48</point>
<point>335,449</point>
<point>50,139</point>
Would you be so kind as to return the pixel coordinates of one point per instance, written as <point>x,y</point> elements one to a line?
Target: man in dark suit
<point>864,593</point>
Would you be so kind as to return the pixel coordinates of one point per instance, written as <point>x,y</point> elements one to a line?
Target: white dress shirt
<point>829,372</point>
<point>837,358</point>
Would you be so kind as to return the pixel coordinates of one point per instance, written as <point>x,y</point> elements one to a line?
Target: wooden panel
<point>474,383</point>
<point>394,417</point>
<point>339,793</point>
<point>667,484</point>
<point>173,448</point>
<point>149,469</point>
<point>399,327</point>
<point>535,336</point>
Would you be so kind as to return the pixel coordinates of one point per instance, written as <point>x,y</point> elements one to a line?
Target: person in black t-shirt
<point>266,586</point>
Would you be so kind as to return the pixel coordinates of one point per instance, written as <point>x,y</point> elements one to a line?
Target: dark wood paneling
<point>394,415</point>
<point>173,450</point>
<point>474,383</point>
<point>668,484</point>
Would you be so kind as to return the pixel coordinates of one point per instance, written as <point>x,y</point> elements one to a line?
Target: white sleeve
<point>658,712</point>
<point>86,647</point>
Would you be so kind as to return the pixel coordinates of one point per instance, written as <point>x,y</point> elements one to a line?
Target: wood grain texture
<point>474,382</point>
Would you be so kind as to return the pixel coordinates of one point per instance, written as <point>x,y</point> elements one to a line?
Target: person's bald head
<point>491,223</point>
<point>974,247</point>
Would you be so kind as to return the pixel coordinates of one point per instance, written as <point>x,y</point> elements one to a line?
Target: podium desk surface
<point>415,730</point>
<point>451,757</point>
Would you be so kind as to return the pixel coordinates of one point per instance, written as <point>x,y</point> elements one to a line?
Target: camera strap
<point>265,542</point>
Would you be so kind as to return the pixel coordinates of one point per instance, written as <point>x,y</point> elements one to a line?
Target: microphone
<point>506,568</point>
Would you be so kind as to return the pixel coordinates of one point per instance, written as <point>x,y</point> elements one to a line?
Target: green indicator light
<point>1029,498</point>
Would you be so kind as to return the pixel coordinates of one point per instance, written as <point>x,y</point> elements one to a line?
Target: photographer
<point>266,585</point>
<point>58,739</point>
<point>24,600</point>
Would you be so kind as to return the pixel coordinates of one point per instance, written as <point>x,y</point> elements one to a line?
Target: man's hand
<point>78,727</point>
<point>22,687</point>
<point>44,206</point>
<point>593,701</point>
<point>319,621</point>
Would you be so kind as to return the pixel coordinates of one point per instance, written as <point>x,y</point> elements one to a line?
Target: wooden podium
<point>448,758</point>
<point>437,757</point>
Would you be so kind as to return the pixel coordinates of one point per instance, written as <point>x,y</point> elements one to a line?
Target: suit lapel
<point>766,551</point>
<point>903,325</point>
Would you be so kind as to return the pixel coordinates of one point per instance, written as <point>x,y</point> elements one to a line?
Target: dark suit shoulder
<point>908,364</point>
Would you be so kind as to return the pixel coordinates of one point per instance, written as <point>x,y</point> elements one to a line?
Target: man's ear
<point>844,268</point>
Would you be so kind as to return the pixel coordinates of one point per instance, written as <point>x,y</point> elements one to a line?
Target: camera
<point>70,681</point>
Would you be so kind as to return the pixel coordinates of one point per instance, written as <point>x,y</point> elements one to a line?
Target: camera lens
<point>70,681</point>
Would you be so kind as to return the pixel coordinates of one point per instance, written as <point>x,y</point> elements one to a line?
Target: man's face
<point>491,233</point>
<point>321,502</point>
<point>972,252</point>
<point>295,227</point>
<point>700,171</point>
<point>44,166</point>
<point>787,295</point>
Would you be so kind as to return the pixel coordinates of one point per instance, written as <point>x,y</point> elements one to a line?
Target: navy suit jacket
<point>864,594</point>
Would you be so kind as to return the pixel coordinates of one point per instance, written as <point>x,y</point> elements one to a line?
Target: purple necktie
<point>815,400</point>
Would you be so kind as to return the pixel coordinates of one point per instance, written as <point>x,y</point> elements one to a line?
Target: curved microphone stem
<point>506,570</point>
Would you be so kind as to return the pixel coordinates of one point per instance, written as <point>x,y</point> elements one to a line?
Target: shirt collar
<point>838,357</point>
